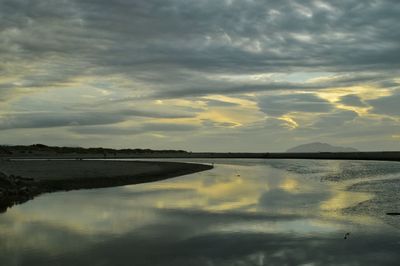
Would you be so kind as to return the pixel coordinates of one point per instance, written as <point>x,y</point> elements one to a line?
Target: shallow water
<point>243,212</point>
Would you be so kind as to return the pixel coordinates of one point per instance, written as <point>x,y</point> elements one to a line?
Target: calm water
<point>243,212</point>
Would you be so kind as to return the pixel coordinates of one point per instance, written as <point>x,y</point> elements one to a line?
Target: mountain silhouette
<point>320,147</point>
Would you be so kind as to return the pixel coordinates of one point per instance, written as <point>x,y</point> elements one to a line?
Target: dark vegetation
<point>41,149</point>
<point>44,151</point>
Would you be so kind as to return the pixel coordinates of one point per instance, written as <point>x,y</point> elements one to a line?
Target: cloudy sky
<point>200,75</point>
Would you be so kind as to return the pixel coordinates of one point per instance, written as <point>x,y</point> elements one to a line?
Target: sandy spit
<point>22,180</point>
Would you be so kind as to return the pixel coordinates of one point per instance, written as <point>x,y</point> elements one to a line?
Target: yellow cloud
<point>289,121</point>
<point>290,185</point>
<point>181,103</point>
<point>220,115</point>
<point>365,93</point>
<point>244,112</point>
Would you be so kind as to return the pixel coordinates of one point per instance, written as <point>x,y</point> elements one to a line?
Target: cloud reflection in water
<point>236,214</point>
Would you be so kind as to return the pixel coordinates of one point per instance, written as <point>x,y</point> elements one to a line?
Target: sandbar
<point>21,180</point>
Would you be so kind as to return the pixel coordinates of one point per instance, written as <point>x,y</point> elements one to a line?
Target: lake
<point>242,212</point>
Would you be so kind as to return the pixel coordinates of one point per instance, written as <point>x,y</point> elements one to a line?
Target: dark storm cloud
<point>352,100</point>
<point>388,105</point>
<point>144,128</point>
<point>47,119</point>
<point>144,38</point>
<point>33,28</point>
<point>6,93</point>
<point>216,36</point>
<point>278,105</point>
<point>335,119</point>
<point>44,120</point>
<point>168,49</point>
<point>212,124</point>
<point>216,103</point>
<point>200,86</point>
<point>231,88</point>
<point>167,127</point>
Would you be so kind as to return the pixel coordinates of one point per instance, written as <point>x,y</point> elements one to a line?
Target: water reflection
<point>243,212</point>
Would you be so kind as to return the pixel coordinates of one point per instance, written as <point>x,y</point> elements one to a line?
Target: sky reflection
<point>237,214</point>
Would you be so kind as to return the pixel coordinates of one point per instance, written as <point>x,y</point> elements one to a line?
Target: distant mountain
<point>320,147</point>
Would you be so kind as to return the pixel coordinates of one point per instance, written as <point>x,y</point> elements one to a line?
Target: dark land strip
<point>20,181</point>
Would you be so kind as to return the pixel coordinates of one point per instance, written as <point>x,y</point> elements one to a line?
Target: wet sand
<point>22,180</point>
<point>384,203</point>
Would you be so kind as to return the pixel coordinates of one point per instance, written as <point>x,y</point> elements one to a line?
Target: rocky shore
<point>15,190</point>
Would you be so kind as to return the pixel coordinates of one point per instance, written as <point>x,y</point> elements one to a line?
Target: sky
<point>200,75</point>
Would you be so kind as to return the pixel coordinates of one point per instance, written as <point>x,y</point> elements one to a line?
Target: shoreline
<point>384,203</point>
<point>367,156</point>
<point>21,181</point>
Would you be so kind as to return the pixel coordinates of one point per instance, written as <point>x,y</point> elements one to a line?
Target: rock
<point>24,191</point>
<point>15,189</point>
<point>26,178</point>
<point>5,181</point>
<point>3,175</point>
<point>12,192</point>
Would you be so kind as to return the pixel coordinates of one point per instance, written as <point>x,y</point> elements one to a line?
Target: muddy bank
<point>23,180</point>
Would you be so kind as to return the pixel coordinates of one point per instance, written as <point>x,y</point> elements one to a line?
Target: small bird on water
<point>346,235</point>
